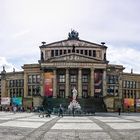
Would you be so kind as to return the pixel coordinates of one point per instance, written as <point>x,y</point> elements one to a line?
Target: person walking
<point>41,111</point>
<point>119,111</point>
<point>60,111</point>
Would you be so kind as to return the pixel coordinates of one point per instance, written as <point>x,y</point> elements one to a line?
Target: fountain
<point>74,105</point>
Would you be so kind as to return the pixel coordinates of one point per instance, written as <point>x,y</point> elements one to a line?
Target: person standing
<point>73,110</point>
<point>14,109</point>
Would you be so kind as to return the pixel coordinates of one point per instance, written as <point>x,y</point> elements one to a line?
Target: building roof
<point>72,42</point>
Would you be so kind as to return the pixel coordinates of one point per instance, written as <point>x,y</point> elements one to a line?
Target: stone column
<point>120,86</point>
<point>25,84</point>
<point>80,82</point>
<point>54,84</point>
<point>42,82</point>
<point>92,82</point>
<point>3,88</point>
<point>104,82</point>
<point>136,88</point>
<point>67,83</point>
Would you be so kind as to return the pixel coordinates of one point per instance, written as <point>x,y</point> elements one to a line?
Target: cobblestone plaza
<point>102,126</point>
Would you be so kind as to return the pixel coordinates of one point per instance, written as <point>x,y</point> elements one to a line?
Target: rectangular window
<point>69,51</point>
<point>34,78</point>
<point>22,83</point>
<point>73,79</point>
<point>84,78</point>
<point>131,84</point>
<point>60,52</point>
<point>134,84</point>
<point>128,84</point>
<point>38,78</point>
<point>110,90</point>
<point>56,52</point>
<point>52,53</point>
<point>89,52</point>
<point>94,53</point>
<point>61,94</point>
<point>62,78</point>
<point>14,83</point>
<point>38,90</point>
<point>81,51</point>
<point>77,51</point>
<point>11,83</point>
<point>34,90</point>
<point>125,94</point>
<point>29,79</point>
<point>85,52</point>
<point>116,79</point>
<point>113,79</point>
<point>64,51</point>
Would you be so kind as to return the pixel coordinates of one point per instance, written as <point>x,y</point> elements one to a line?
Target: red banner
<point>48,91</point>
<point>98,82</point>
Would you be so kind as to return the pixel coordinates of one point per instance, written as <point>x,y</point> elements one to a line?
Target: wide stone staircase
<point>88,106</point>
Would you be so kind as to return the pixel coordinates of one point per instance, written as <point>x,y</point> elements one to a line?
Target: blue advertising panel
<point>17,101</point>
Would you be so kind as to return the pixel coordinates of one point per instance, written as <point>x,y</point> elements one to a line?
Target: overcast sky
<point>24,24</point>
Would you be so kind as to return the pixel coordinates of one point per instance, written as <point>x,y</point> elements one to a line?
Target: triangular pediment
<point>74,58</point>
<point>74,42</point>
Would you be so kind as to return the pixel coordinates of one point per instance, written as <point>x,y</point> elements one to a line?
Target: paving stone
<point>124,125</point>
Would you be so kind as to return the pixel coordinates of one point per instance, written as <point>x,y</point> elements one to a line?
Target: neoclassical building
<point>71,63</point>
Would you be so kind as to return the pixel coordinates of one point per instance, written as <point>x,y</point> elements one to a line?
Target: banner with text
<point>48,91</point>
<point>98,76</point>
<point>17,101</point>
<point>5,100</point>
<point>128,102</point>
<point>137,102</point>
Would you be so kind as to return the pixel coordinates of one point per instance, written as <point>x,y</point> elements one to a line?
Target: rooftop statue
<point>73,35</point>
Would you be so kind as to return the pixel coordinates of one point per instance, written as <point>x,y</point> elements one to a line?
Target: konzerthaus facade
<point>71,63</point>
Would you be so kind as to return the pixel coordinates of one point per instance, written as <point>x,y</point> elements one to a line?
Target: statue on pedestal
<point>74,91</point>
<point>73,35</point>
<point>74,105</point>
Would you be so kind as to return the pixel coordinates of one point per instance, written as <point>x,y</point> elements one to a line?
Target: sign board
<point>137,102</point>
<point>17,101</point>
<point>48,84</point>
<point>5,100</point>
<point>128,102</point>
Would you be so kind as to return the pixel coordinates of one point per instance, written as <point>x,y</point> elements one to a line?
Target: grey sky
<point>26,23</point>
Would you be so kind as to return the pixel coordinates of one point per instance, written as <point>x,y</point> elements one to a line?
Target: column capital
<point>92,68</point>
